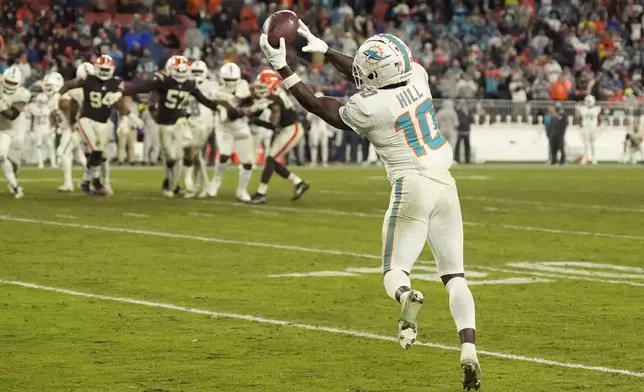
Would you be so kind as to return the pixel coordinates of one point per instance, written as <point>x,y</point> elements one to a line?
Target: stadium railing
<point>493,111</point>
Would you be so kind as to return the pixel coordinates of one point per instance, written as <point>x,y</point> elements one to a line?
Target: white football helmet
<point>589,100</point>
<point>11,80</point>
<point>84,69</point>
<point>199,71</point>
<point>42,99</point>
<point>178,67</point>
<point>230,73</point>
<point>104,67</point>
<point>53,82</point>
<point>381,60</point>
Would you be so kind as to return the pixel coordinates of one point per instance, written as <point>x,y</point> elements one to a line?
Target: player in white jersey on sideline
<point>318,137</point>
<point>65,111</point>
<point>201,121</point>
<point>589,114</point>
<point>233,135</point>
<point>394,110</point>
<point>13,125</point>
<point>42,135</point>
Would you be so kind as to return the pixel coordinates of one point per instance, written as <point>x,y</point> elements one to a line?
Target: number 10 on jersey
<point>431,137</point>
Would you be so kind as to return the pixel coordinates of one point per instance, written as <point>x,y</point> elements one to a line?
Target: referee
<point>557,131</point>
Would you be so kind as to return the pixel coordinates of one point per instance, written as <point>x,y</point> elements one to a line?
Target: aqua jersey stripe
<point>391,229</point>
<point>396,41</point>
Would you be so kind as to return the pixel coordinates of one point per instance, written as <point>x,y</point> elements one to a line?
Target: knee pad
<point>224,158</point>
<point>169,163</point>
<point>247,166</point>
<point>187,161</point>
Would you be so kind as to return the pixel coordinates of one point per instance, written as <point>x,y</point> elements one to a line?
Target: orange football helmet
<point>104,67</point>
<point>266,83</point>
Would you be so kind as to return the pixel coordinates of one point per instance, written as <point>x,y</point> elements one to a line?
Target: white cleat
<point>213,188</point>
<point>189,195</point>
<point>203,193</point>
<point>66,188</point>
<point>471,368</point>
<point>411,302</point>
<point>168,194</point>
<point>41,166</point>
<point>19,193</point>
<point>243,196</point>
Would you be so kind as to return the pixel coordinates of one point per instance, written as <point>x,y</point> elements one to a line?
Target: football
<point>281,24</point>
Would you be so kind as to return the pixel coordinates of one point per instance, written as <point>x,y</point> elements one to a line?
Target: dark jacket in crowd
<point>464,122</point>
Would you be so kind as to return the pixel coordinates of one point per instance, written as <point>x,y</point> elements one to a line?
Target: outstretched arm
<point>144,87</point>
<point>340,61</point>
<point>72,84</point>
<point>213,105</point>
<point>328,109</point>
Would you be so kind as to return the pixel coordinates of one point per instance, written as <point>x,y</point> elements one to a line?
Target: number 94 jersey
<point>402,126</point>
<point>97,97</point>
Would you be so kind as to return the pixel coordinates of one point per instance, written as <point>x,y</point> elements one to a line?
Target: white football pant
<point>319,137</point>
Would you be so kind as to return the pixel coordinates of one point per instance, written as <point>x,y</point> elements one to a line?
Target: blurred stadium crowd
<point>515,50</point>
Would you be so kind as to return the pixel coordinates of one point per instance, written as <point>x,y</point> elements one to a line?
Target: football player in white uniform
<point>42,135</point>
<point>233,135</point>
<point>201,122</point>
<point>394,110</point>
<point>589,113</point>
<point>13,124</point>
<point>65,110</point>
<point>633,145</point>
<point>318,137</point>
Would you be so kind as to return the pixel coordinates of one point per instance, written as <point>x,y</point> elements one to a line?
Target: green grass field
<point>139,293</point>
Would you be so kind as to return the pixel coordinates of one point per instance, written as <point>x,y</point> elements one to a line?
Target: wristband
<point>292,81</point>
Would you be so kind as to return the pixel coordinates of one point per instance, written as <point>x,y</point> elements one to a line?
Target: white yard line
<point>339,331</point>
<point>63,216</point>
<point>135,215</point>
<point>561,276</point>
<point>202,214</point>
<point>188,237</point>
<point>553,204</point>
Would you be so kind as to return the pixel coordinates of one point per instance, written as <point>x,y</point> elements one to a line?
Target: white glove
<point>277,57</point>
<point>314,44</point>
<point>3,105</point>
<point>112,98</point>
<point>136,121</point>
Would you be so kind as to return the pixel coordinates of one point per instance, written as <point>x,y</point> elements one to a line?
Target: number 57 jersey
<point>401,124</point>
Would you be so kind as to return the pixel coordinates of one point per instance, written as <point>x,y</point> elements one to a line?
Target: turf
<point>217,255</point>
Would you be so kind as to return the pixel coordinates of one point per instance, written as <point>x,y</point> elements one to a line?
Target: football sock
<point>9,174</point>
<point>262,188</point>
<point>294,178</point>
<point>461,304</point>
<point>66,163</point>
<point>244,178</point>
<point>105,172</point>
<point>396,279</point>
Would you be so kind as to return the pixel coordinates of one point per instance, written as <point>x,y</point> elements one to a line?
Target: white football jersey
<point>20,95</point>
<point>209,89</point>
<point>40,115</point>
<point>401,124</point>
<point>589,116</point>
<point>233,97</point>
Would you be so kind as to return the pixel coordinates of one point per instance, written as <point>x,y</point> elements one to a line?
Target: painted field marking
<point>260,212</point>
<point>339,331</point>
<point>202,214</point>
<point>380,216</point>
<point>188,237</point>
<point>561,276</point>
<point>508,201</point>
<point>64,216</point>
<point>135,215</point>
